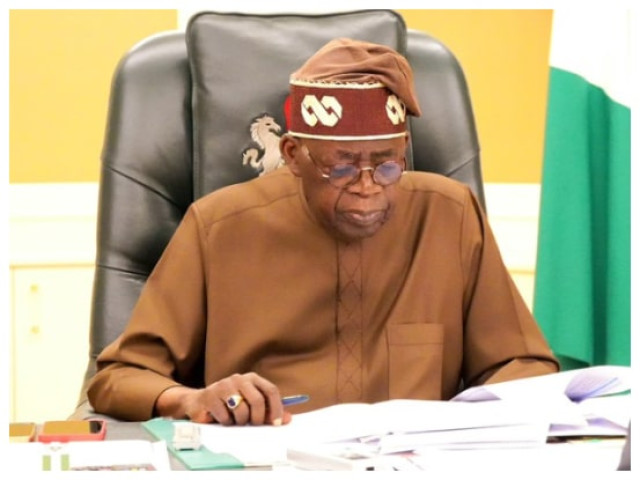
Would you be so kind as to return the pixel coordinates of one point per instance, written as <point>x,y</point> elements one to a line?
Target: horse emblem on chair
<point>265,133</point>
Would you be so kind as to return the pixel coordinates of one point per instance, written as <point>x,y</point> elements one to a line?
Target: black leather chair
<point>180,120</point>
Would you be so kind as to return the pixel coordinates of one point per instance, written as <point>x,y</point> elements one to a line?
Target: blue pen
<point>294,399</point>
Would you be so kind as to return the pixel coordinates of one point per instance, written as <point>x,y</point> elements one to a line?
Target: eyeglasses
<point>345,174</point>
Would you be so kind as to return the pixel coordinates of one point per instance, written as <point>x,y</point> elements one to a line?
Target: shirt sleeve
<point>502,340</point>
<point>163,343</point>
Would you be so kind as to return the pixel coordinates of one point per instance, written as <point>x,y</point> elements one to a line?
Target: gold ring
<point>233,401</point>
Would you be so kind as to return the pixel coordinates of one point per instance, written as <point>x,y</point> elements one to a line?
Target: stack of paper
<point>582,460</point>
<point>371,429</point>
<point>582,402</point>
<point>600,416</point>
<point>383,436</point>
<point>576,385</point>
<point>515,414</point>
<point>398,425</point>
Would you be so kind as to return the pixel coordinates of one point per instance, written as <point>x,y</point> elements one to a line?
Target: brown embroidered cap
<point>352,90</point>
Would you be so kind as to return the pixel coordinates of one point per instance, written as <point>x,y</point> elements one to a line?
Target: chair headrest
<point>240,67</point>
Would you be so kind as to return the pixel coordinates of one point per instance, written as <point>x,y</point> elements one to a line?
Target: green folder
<point>200,459</point>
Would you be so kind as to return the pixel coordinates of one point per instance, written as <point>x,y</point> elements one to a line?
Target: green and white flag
<point>582,287</point>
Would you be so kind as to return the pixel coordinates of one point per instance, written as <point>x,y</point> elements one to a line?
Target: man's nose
<point>365,182</point>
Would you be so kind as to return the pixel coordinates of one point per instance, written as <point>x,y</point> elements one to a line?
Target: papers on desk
<point>395,424</point>
<point>576,385</point>
<point>566,460</point>
<point>253,446</point>
<point>563,458</point>
<point>582,402</point>
<point>518,414</point>
<point>365,436</point>
<point>377,429</point>
<point>601,417</point>
<point>387,435</point>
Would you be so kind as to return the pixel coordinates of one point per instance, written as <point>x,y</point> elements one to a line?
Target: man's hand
<point>236,400</point>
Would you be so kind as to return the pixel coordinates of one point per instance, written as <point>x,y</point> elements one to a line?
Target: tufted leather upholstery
<point>179,119</point>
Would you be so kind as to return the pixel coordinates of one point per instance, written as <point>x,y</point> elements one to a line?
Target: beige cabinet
<point>50,339</point>
<point>52,231</point>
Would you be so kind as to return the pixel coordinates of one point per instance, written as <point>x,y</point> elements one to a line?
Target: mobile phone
<point>22,432</point>
<point>72,430</point>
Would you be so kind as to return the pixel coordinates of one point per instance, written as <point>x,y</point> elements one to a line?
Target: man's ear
<point>290,151</point>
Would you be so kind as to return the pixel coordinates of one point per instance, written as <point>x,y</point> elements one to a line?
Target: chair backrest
<point>192,112</point>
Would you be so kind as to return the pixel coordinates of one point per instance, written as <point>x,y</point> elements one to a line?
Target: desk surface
<point>607,455</point>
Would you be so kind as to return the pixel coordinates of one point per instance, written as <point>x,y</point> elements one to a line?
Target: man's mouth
<point>364,219</point>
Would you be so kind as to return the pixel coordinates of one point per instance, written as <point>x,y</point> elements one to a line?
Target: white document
<point>576,385</point>
<point>604,416</point>
<point>519,412</point>
<point>262,445</point>
<point>373,423</point>
<point>355,420</point>
<point>335,456</point>
<point>594,428</point>
<point>576,402</point>
<point>615,408</point>
<point>524,435</point>
<point>560,460</point>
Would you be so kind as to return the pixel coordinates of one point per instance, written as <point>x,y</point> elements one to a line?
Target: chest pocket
<point>415,360</point>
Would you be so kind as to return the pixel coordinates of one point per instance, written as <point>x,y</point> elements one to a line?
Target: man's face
<point>356,210</point>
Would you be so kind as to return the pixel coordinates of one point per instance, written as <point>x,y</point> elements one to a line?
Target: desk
<point>574,458</point>
<point>117,430</point>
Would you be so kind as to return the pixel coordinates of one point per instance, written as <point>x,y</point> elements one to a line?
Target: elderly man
<point>340,276</point>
